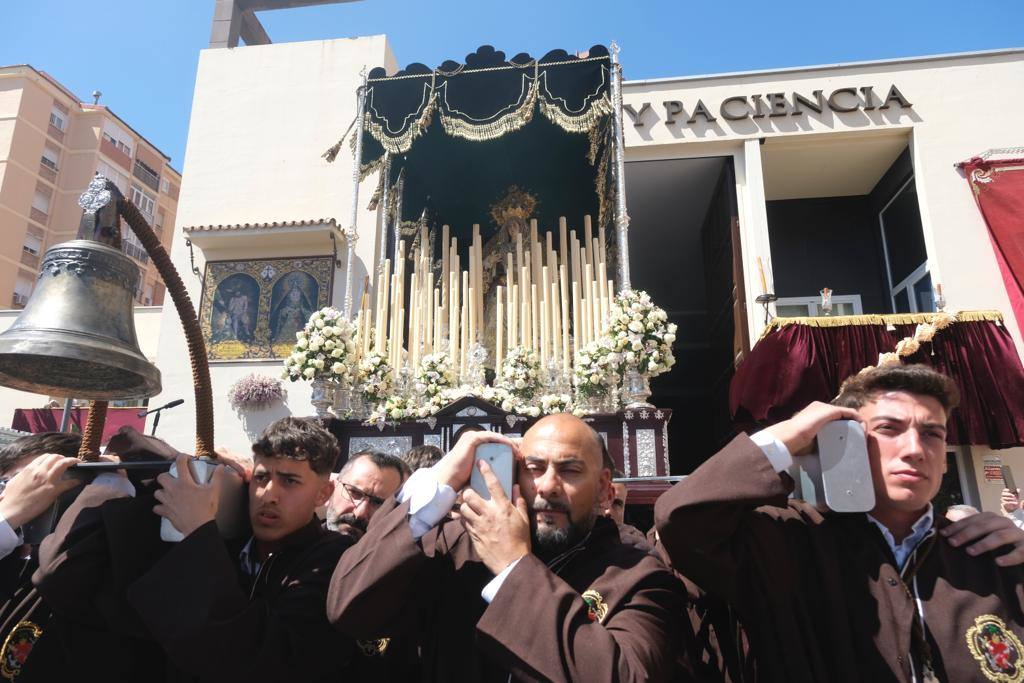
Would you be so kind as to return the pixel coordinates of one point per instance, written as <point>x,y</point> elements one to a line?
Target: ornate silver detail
<point>659,414</point>
<point>431,422</point>
<point>510,420</point>
<point>625,450</point>
<point>471,411</point>
<point>432,440</point>
<point>96,196</point>
<point>628,414</point>
<point>395,445</point>
<point>644,414</point>
<point>664,447</point>
<point>646,453</point>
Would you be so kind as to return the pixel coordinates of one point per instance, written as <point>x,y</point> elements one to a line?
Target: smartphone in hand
<point>1008,478</point>
<point>502,462</point>
<point>845,468</point>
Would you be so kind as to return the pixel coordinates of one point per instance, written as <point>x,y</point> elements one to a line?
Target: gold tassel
<point>402,143</point>
<point>577,123</point>
<point>506,123</point>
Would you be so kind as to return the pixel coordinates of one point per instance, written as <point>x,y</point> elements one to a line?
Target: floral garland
<point>908,346</point>
<point>556,403</point>
<point>640,331</point>
<point>596,368</point>
<point>520,373</point>
<point>374,376</point>
<point>322,348</point>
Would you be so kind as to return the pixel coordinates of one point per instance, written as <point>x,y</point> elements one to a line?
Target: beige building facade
<point>51,145</point>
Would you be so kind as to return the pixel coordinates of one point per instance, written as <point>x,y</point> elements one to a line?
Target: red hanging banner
<point>998,187</point>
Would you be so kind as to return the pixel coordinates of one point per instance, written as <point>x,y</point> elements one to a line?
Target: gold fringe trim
<point>887,319</point>
<point>577,123</point>
<point>508,122</point>
<point>402,143</point>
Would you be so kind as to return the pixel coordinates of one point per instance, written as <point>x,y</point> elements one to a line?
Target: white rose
<point>329,344</point>
<point>318,323</point>
<point>669,338</point>
<point>338,368</point>
<point>595,378</point>
<point>309,372</point>
<point>636,346</point>
<point>337,353</point>
<point>302,343</point>
<point>318,364</point>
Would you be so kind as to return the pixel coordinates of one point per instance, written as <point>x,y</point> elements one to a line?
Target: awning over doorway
<point>800,360</point>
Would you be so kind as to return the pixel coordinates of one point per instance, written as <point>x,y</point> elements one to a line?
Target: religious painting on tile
<point>252,309</point>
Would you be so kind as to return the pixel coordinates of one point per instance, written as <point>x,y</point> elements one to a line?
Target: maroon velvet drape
<point>998,187</point>
<point>37,420</point>
<point>797,364</point>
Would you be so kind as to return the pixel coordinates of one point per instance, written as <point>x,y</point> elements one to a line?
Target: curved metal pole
<point>351,233</point>
<point>621,217</point>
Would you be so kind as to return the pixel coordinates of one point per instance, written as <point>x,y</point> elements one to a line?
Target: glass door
<point>910,282</point>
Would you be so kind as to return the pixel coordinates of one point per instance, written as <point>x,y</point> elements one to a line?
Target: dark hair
<point>922,380</point>
<point>384,461</point>
<point>299,439</point>
<point>62,443</point>
<point>422,456</point>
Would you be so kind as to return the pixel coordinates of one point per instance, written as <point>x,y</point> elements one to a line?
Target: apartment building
<point>51,145</point>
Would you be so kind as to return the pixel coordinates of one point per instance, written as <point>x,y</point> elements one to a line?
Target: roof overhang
<point>320,234</point>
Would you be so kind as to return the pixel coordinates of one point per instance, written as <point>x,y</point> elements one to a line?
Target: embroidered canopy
<point>462,135</point>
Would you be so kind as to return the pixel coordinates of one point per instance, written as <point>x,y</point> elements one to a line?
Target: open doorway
<point>843,213</point>
<point>684,251</point>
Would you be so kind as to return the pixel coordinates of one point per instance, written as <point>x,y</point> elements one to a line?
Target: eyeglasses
<point>357,496</point>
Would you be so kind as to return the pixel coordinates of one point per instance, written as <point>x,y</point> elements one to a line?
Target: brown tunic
<point>539,626</point>
<point>822,599</point>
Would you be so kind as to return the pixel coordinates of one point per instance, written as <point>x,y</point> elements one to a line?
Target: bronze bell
<point>76,336</point>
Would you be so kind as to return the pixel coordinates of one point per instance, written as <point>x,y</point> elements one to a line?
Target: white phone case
<point>499,457</point>
<point>845,468</point>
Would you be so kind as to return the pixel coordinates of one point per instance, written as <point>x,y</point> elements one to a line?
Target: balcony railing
<point>146,175</point>
<point>29,259</point>
<point>136,252</point>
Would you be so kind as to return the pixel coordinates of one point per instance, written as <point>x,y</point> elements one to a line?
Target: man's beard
<point>549,543</point>
<point>346,523</point>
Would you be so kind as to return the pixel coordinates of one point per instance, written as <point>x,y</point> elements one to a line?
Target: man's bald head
<point>564,479</point>
<point>568,426</point>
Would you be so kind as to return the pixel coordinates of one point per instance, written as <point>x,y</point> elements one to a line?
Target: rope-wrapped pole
<point>92,435</point>
<point>351,233</point>
<point>382,242</point>
<point>189,321</point>
<point>621,217</point>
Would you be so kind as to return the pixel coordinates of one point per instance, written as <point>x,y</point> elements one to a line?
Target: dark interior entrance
<point>684,251</point>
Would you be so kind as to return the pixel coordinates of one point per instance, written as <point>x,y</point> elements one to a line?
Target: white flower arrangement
<point>374,377</point>
<point>323,348</point>
<point>520,373</point>
<point>392,409</point>
<point>556,403</point>
<point>434,375</point>
<point>596,368</point>
<point>640,331</point>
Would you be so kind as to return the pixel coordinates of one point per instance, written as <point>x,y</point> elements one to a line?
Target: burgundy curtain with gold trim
<point>998,187</point>
<point>797,363</point>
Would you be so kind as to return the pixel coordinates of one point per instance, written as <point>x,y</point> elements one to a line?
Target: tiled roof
<point>260,226</point>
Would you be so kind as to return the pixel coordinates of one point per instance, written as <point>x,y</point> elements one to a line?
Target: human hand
<point>236,461</point>
<point>799,431</point>
<point>499,528</point>
<point>988,531</point>
<point>185,503</point>
<point>455,468</point>
<point>1010,500</point>
<point>30,492</point>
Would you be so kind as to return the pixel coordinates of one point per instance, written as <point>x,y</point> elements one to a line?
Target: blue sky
<point>142,54</point>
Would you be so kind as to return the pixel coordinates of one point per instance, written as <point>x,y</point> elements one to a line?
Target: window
<point>113,175</point>
<point>57,119</point>
<point>50,159</point>
<point>41,202</point>
<point>809,306</point>
<point>117,137</point>
<point>22,290</point>
<point>147,175</point>
<point>165,185</point>
<point>906,258</point>
<point>145,201</point>
<point>33,245</point>
<point>133,247</point>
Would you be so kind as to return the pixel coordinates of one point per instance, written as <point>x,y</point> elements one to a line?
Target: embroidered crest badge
<point>16,648</point>
<point>997,649</point>
<point>597,608</point>
<point>373,648</point>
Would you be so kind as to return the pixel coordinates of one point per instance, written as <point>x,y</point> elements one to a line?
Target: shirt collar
<point>247,558</point>
<point>917,533</point>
